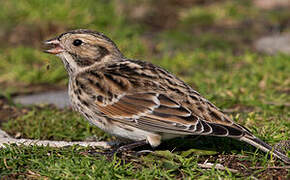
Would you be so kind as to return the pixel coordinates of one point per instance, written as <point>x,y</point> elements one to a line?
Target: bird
<point>137,100</point>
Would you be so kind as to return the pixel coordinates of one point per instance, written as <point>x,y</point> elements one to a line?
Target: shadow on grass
<point>202,145</point>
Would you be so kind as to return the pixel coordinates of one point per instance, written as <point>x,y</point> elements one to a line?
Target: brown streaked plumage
<point>138,100</point>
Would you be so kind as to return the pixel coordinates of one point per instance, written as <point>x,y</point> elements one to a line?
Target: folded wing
<point>159,113</point>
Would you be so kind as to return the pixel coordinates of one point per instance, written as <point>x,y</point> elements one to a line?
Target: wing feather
<point>157,112</point>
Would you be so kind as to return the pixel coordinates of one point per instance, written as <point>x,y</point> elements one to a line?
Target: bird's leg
<point>122,148</point>
<point>131,146</point>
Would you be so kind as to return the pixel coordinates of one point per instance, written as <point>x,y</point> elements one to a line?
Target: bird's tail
<point>265,147</point>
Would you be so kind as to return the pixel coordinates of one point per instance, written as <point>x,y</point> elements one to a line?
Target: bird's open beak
<point>56,47</point>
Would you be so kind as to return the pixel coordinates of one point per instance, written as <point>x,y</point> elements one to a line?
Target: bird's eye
<point>77,42</point>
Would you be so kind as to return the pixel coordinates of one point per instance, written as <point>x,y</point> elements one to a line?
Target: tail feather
<point>265,147</point>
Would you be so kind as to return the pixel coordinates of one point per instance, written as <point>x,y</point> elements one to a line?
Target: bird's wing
<point>121,99</point>
<point>159,113</point>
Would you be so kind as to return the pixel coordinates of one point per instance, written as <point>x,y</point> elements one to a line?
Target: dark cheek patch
<point>82,61</point>
<point>103,51</point>
<point>89,57</point>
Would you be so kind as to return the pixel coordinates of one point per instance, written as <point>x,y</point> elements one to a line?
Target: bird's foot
<point>119,150</point>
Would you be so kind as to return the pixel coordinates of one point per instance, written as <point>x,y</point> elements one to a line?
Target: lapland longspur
<point>137,100</point>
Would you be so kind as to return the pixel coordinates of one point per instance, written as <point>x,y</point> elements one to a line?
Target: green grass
<point>209,47</point>
<point>68,163</point>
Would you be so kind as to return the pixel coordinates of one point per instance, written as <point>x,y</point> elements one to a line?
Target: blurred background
<point>235,53</point>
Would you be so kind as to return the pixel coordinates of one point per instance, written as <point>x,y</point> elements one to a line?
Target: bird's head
<point>82,48</point>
